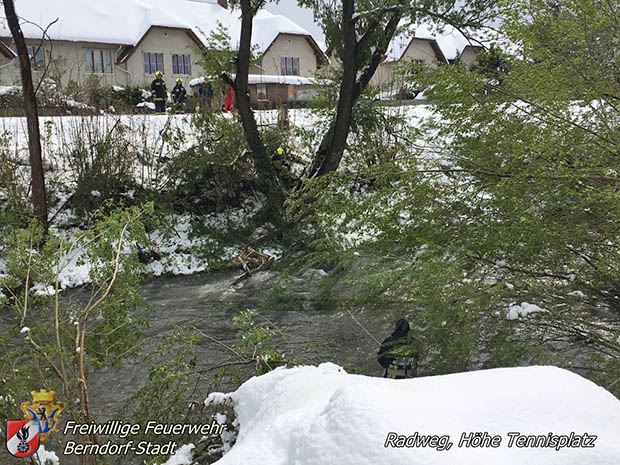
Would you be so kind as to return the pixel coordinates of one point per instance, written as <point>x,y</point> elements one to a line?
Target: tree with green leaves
<point>62,343</point>
<point>514,200</point>
<point>360,32</point>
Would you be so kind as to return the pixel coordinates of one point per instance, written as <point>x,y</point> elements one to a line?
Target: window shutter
<point>296,66</point>
<point>188,69</point>
<point>175,65</point>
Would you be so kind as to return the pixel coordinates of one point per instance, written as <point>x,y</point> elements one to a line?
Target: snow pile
<point>523,310</point>
<point>322,415</point>
<point>181,457</point>
<point>149,105</point>
<point>46,457</point>
<point>6,90</point>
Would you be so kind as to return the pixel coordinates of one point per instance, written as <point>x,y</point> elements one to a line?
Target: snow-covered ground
<point>322,415</point>
<point>179,248</point>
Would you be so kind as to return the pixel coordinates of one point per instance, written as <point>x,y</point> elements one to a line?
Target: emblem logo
<point>41,419</point>
<point>22,438</point>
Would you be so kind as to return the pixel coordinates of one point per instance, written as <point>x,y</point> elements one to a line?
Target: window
<point>153,62</point>
<point>289,66</point>
<point>180,64</point>
<point>36,54</point>
<point>98,61</point>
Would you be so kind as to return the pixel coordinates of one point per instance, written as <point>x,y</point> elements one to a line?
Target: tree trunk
<point>39,201</point>
<point>268,181</point>
<point>330,152</point>
<point>336,137</point>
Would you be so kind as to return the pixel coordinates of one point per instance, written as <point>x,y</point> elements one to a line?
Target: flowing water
<point>210,301</point>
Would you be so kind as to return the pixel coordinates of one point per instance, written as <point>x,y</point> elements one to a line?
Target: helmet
<point>179,80</point>
<point>280,151</point>
<point>158,73</point>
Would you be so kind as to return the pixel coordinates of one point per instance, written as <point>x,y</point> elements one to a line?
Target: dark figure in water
<point>398,366</point>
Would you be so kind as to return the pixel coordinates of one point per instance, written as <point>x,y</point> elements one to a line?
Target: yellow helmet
<point>158,73</point>
<point>179,80</point>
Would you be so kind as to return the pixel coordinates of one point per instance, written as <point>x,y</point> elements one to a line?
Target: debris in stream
<point>251,261</point>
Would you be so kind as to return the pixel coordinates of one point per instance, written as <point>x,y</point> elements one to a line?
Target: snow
<point>216,398</point>
<point>579,294</point>
<point>25,330</point>
<point>181,251</point>
<point>523,310</point>
<point>124,22</point>
<point>4,90</point>
<point>322,415</point>
<point>46,457</point>
<point>268,79</point>
<point>183,456</point>
<point>118,88</point>
<point>149,105</point>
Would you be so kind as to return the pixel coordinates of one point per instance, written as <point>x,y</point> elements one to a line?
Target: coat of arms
<point>41,418</point>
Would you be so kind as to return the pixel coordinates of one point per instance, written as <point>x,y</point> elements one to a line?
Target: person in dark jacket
<point>179,96</point>
<point>158,87</point>
<point>205,95</point>
<point>209,94</point>
<point>398,365</point>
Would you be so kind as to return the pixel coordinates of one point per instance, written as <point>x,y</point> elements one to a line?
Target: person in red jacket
<point>229,101</point>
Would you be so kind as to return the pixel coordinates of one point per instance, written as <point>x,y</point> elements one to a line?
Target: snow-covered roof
<point>126,21</point>
<point>268,79</point>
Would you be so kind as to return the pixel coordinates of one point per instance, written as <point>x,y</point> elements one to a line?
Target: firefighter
<point>158,87</point>
<point>179,96</point>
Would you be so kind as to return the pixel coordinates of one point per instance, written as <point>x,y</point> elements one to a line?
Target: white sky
<point>301,16</point>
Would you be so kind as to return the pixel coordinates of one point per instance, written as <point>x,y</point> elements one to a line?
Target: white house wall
<point>168,42</point>
<point>288,45</point>
<point>469,56</point>
<point>67,63</point>
<point>419,50</point>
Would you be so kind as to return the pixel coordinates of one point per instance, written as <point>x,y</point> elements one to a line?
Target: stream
<point>209,302</point>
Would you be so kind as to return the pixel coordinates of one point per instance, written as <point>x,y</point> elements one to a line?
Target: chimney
<point>223,3</point>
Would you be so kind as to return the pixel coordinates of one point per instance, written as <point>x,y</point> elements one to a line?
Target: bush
<point>215,171</point>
